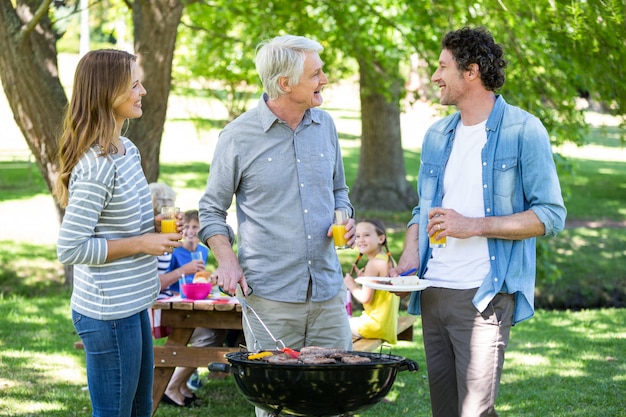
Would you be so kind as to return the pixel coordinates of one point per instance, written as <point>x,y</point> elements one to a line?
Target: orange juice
<point>437,243</point>
<point>168,219</point>
<point>168,226</point>
<point>339,231</point>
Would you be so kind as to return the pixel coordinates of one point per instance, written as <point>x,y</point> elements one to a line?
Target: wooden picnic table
<point>183,317</point>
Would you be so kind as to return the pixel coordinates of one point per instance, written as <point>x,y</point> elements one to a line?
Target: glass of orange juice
<point>339,228</point>
<point>435,242</point>
<point>168,219</point>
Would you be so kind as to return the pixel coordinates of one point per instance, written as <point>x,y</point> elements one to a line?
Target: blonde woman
<point>108,234</point>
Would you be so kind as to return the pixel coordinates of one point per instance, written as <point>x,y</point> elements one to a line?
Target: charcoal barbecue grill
<point>317,390</point>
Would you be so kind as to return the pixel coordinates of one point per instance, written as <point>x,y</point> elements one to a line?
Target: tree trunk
<point>30,78</point>
<point>155,26</point>
<point>381,183</point>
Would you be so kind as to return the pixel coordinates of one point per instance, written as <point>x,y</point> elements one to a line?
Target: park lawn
<point>559,363</point>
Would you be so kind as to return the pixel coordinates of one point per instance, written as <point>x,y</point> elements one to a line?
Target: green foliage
<point>596,29</point>
<point>538,74</point>
<point>214,50</point>
<point>218,41</point>
<point>109,23</point>
<point>552,57</point>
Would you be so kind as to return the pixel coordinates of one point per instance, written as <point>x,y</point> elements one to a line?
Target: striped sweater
<point>108,199</point>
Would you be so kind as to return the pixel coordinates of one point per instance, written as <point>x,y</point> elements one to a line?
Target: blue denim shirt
<point>287,184</point>
<point>518,174</point>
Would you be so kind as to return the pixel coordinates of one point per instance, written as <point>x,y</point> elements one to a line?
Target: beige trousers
<point>323,324</point>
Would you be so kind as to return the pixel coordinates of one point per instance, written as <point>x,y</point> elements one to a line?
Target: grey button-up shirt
<point>286,185</point>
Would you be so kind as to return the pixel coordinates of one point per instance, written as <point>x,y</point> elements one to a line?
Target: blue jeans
<point>120,361</point>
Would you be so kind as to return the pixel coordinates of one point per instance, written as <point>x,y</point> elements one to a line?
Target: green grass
<point>591,262</point>
<point>597,190</point>
<point>566,364</point>
<point>560,363</point>
<point>20,182</point>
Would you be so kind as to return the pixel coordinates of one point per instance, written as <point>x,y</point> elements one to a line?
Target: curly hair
<point>477,46</point>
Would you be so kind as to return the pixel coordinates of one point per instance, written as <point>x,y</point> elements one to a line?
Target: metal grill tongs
<point>279,344</point>
<point>257,346</point>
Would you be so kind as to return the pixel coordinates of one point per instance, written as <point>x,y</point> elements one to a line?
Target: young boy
<point>184,255</point>
<point>178,391</point>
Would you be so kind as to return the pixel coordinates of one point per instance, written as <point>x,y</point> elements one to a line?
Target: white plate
<point>395,284</point>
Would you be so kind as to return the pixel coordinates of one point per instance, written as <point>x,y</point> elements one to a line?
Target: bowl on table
<point>197,291</point>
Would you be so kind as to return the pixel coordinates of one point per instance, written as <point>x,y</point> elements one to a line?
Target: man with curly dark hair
<point>488,185</point>
<point>476,46</point>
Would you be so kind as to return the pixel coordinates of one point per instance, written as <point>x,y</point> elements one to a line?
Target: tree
<point>381,183</point>
<point>214,52</point>
<point>30,77</point>
<point>371,33</point>
<point>557,50</point>
<point>155,24</point>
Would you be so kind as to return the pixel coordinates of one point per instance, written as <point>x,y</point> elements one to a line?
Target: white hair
<point>283,56</point>
<point>162,195</point>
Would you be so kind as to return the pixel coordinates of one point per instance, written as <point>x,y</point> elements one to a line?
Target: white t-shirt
<point>463,263</point>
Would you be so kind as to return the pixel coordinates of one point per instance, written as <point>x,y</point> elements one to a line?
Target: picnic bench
<point>405,332</point>
<point>183,317</point>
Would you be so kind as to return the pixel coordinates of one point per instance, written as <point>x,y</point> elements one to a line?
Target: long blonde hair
<point>102,81</point>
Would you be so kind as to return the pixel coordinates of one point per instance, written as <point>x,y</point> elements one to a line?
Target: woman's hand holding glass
<point>170,223</point>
